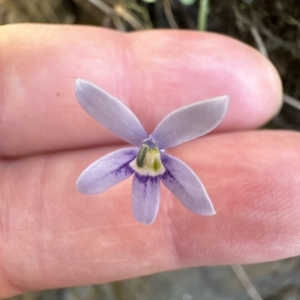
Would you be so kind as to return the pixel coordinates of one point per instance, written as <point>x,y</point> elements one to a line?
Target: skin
<point>52,236</point>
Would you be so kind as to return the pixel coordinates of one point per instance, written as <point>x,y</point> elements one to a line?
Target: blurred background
<point>273,27</point>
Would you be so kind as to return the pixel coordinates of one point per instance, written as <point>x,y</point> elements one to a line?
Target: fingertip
<point>207,65</point>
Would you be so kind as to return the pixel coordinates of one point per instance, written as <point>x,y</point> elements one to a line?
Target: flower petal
<point>107,171</point>
<point>190,122</point>
<point>110,112</point>
<point>186,186</point>
<point>145,198</point>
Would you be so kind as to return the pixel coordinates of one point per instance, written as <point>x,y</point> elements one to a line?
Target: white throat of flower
<point>148,161</point>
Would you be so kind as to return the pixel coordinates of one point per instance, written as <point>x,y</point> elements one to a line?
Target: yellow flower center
<point>148,162</point>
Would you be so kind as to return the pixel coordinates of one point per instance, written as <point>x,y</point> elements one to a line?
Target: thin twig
<point>283,43</point>
<point>202,14</point>
<point>291,101</point>
<point>263,50</point>
<point>120,11</point>
<point>128,16</point>
<point>246,282</point>
<point>51,12</point>
<point>169,14</point>
<point>13,7</point>
<point>118,22</point>
<point>265,31</point>
<point>102,6</point>
<point>259,41</point>
<point>143,11</point>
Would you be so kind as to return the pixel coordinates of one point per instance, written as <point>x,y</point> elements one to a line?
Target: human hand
<point>52,236</point>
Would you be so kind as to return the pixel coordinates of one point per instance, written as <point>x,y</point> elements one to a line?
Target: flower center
<point>148,161</point>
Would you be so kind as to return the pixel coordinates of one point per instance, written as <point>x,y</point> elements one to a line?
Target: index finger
<point>152,72</point>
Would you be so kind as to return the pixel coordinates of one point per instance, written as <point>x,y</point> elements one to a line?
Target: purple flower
<point>148,162</point>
